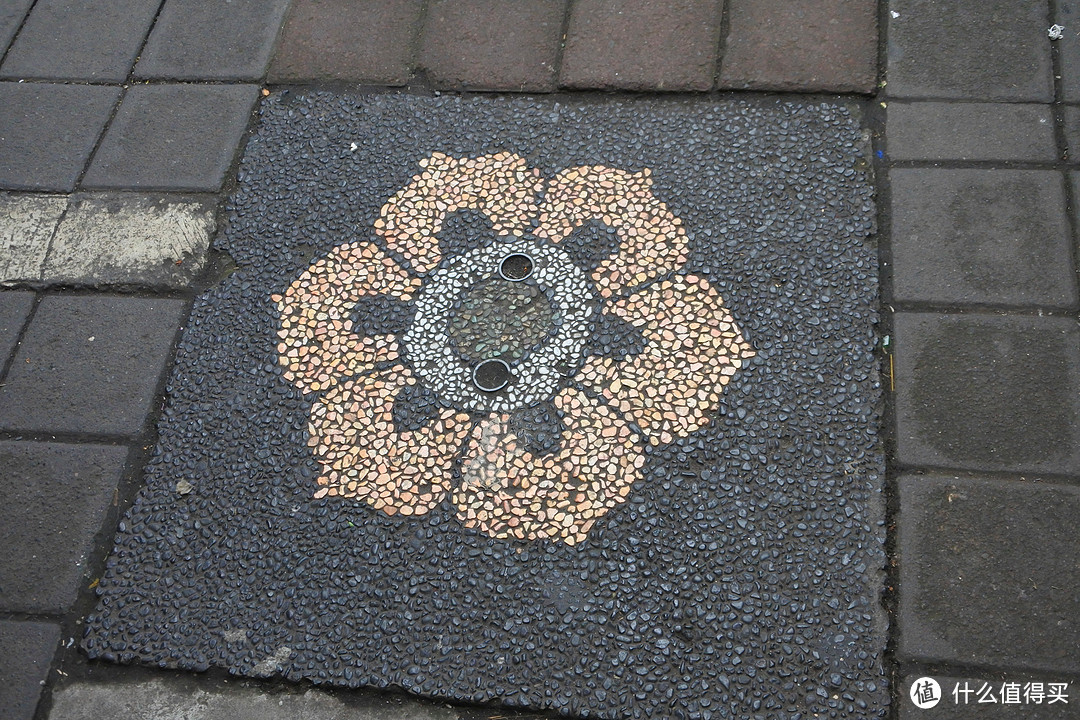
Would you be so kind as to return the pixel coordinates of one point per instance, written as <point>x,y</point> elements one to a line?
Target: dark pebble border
<point>739,579</point>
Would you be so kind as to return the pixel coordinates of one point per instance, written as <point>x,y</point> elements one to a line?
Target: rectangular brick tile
<point>53,501</point>
<point>173,137</point>
<point>48,131</point>
<point>969,49</point>
<point>988,392</point>
<point>624,44</point>
<point>971,131</point>
<point>1071,125</point>
<point>1067,14</point>
<point>12,13</point>
<point>989,571</point>
<point>493,44</point>
<point>212,40</point>
<point>811,45</point>
<point>80,40</point>
<point>24,665</point>
<point>965,705</point>
<point>14,309</point>
<point>983,237</point>
<point>27,224</point>
<point>126,239</point>
<point>363,41</point>
<point>89,364</point>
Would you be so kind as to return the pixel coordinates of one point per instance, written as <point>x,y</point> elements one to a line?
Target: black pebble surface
<point>741,577</point>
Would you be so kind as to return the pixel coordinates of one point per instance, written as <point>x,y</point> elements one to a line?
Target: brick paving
<point>978,238</point>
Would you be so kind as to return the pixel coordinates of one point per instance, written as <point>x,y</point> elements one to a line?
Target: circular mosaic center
<point>501,319</point>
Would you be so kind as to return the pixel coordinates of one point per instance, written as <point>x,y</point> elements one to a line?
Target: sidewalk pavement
<point>121,126</point>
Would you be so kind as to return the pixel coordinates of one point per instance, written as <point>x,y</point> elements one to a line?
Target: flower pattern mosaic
<point>529,327</point>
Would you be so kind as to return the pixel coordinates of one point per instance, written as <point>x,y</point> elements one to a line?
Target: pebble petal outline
<point>363,456</point>
<point>506,491</point>
<point>501,186</point>
<point>693,348</point>
<point>652,241</point>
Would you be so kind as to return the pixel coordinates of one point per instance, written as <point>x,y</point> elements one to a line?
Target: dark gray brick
<point>212,40</point>
<point>990,683</point>
<point>971,131</point>
<point>1071,119</point>
<point>24,665</point>
<point>173,137</point>
<point>14,309</point>
<point>811,45</point>
<point>493,44</point>
<point>988,392</point>
<point>47,132</point>
<point>363,41</point>
<point>989,237</point>
<point>632,45</point>
<point>12,13</point>
<point>53,500</point>
<point>989,571</point>
<point>80,40</point>
<point>89,364</point>
<point>1067,13</point>
<point>969,49</point>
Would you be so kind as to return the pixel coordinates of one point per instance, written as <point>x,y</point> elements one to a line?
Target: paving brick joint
<point>124,134</point>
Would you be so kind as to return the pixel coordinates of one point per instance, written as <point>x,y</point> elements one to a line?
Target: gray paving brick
<point>100,701</point>
<point>173,137</point>
<point>492,44</point>
<point>969,49</point>
<point>12,13</point>
<point>621,44</point>
<point>128,239</point>
<point>53,500</point>
<point>1067,13</point>
<point>80,40</point>
<point>971,131</point>
<point>48,131</point>
<point>89,364</point>
<point>987,392</point>
<point>363,41</point>
<point>982,237</point>
<point>27,223</point>
<point>988,572</point>
<point>1071,118</point>
<point>813,45</point>
<point>960,698</point>
<point>24,665</point>
<point>14,309</point>
<point>212,40</point>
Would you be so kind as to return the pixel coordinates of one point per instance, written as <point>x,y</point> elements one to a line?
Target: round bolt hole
<point>491,375</point>
<point>516,267</point>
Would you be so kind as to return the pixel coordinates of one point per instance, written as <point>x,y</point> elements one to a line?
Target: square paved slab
<point>493,44</point>
<point>47,132</point>
<point>987,392</point>
<point>988,573</point>
<point>89,364</point>
<point>212,40</point>
<point>54,499</point>
<point>820,45</point>
<point>27,224</point>
<point>28,652</point>
<point>363,41</point>
<point>621,44</point>
<point>970,49</point>
<point>95,40</point>
<point>12,14</point>
<point>173,137</point>
<point>982,237</point>
<point>971,131</point>
<point>547,556</point>
<point>14,309</point>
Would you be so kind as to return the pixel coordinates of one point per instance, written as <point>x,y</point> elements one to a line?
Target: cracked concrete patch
<point>130,240</point>
<point>157,700</point>
<point>27,223</point>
